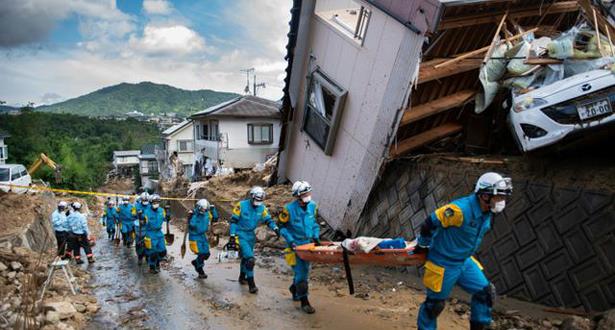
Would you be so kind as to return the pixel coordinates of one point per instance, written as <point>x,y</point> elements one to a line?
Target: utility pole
<point>247,71</point>
<point>256,86</point>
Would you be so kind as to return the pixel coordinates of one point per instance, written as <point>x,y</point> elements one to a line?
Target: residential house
<point>4,152</point>
<point>178,140</point>
<point>350,73</point>
<point>238,133</point>
<point>125,161</point>
<point>148,166</point>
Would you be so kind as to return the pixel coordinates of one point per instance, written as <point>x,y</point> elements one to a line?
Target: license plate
<point>594,109</point>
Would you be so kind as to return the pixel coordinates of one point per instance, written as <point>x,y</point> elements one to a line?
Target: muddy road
<point>130,297</point>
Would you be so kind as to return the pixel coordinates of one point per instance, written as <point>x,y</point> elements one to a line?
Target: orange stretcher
<point>332,253</point>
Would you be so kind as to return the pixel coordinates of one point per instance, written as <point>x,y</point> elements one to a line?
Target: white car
<point>551,113</point>
<point>14,174</point>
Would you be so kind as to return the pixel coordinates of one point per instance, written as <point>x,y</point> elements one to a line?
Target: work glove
<point>420,249</point>
<point>293,246</point>
<point>233,243</point>
<point>276,230</point>
<point>316,241</point>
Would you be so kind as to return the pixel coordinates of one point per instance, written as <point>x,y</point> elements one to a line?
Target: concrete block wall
<point>554,244</point>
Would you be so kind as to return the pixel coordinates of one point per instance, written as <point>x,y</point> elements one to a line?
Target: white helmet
<point>62,204</point>
<point>202,204</point>
<point>144,198</point>
<point>76,206</point>
<point>300,188</point>
<point>257,194</point>
<point>493,184</point>
<point>110,202</point>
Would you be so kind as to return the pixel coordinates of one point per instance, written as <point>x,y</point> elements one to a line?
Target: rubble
<point>608,321</point>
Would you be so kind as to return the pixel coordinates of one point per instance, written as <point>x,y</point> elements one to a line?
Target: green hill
<point>145,97</point>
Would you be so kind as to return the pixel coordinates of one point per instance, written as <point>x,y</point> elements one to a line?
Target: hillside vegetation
<point>146,97</point>
<point>83,146</point>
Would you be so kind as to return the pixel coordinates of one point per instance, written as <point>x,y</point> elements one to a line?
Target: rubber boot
<point>306,307</point>
<point>202,274</point>
<point>139,260</point>
<point>79,261</point>
<point>91,260</point>
<point>242,278</point>
<point>252,285</point>
<point>476,326</point>
<point>293,291</point>
<point>153,270</point>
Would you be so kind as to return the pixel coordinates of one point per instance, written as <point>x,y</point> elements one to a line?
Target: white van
<point>14,174</point>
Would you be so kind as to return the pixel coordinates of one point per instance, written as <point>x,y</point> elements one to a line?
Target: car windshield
<point>4,174</point>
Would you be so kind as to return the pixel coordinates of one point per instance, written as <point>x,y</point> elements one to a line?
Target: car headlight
<point>529,103</point>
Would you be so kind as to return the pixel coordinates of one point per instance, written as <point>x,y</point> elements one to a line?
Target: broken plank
<point>424,138</point>
<point>494,17</point>
<point>429,72</point>
<point>436,106</point>
<point>542,61</point>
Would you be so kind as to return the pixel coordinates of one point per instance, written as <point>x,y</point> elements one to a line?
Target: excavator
<point>44,159</point>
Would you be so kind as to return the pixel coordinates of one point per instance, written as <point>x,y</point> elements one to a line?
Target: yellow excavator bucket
<point>44,159</point>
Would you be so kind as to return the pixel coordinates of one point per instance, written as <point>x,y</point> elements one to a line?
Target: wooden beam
<point>469,20</point>
<point>481,50</point>
<point>428,72</point>
<point>494,41</point>
<point>436,106</point>
<point>602,21</point>
<point>542,61</point>
<point>419,140</point>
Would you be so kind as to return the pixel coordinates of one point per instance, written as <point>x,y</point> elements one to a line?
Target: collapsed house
<point>371,84</point>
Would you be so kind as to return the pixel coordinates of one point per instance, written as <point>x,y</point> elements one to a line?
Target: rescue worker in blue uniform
<point>155,246</point>
<point>127,215</point>
<point>79,229</point>
<point>141,204</point>
<point>111,217</point>
<point>198,225</point>
<point>299,226</point>
<point>450,236</point>
<point>247,215</point>
<point>60,227</point>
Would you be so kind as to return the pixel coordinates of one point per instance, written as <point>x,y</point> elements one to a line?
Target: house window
<point>351,19</point>
<point>209,130</point>
<point>152,167</point>
<point>3,153</point>
<point>184,146</point>
<point>323,110</point>
<point>260,133</point>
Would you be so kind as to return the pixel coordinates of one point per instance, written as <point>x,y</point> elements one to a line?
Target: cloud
<point>160,40</point>
<point>25,22</point>
<point>50,98</point>
<point>157,7</point>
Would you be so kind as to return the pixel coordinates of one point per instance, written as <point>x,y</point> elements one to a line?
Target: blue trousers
<point>127,229</point>
<point>247,240</point>
<point>469,276</point>
<point>300,279</point>
<point>200,247</point>
<point>110,227</point>
<point>155,248</point>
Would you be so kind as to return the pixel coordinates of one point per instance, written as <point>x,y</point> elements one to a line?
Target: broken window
<point>349,17</point>
<point>260,133</point>
<point>184,146</point>
<point>323,110</point>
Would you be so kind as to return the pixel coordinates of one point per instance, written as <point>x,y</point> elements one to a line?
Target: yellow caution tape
<point>97,193</point>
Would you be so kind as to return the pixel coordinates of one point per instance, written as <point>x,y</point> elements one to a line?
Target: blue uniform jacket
<point>127,213</point>
<point>459,230</point>
<point>59,222</point>
<point>246,217</point>
<point>298,225</point>
<point>78,223</point>
<point>154,220</point>
<point>199,224</point>
<point>111,215</point>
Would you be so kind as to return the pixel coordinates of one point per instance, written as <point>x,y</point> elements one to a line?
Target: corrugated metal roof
<point>243,107</point>
<point>149,149</point>
<point>123,153</point>
<point>177,127</point>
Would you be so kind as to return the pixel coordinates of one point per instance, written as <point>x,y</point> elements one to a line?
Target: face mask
<point>145,202</point>
<point>125,202</point>
<point>257,203</point>
<point>155,206</point>
<point>498,206</point>
<point>306,199</point>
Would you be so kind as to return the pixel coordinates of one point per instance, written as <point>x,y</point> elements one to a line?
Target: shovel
<point>118,233</point>
<point>183,248</point>
<point>168,237</point>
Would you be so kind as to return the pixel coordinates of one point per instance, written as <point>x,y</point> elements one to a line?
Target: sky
<point>53,50</point>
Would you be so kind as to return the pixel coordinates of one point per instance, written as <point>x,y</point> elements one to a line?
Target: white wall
<point>186,133</point>
<point>234,148</point>
<point>377,76</point>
